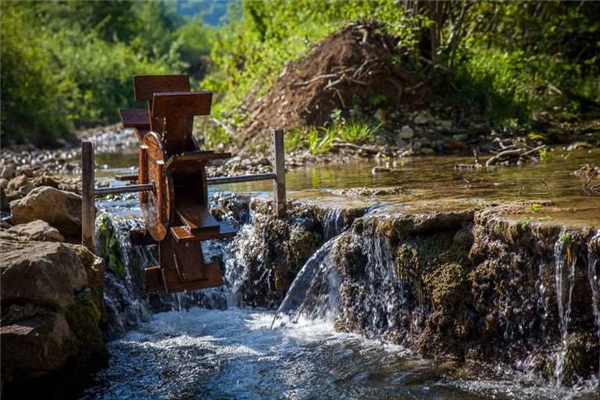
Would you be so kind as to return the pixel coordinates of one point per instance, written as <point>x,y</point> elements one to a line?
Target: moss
<point>110,249</point>
<point>84,318</point>
<point>446,285</point>
<point>581,358</point>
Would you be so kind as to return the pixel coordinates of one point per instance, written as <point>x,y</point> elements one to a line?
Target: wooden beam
<point>88,206</point>
<point>279,165</point>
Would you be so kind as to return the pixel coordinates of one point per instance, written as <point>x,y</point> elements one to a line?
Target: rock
<point>60,209</point>
<point>578,146</point>
<point>379,170</point>
<point>37,230</point>
<point>4,203</point>
<point>24,190</point>
<point>27,171</point>
<point>263,161</point>
<point>18,182</point>
<point>422,118</point>
<point>8,172</point>
<point>38,345</point>
<point>445,125</point>
<point>41,273</point>
<point>406,132</point>
<point>460,137</point>
<point>427,151</point>
<point>380,115</point>
<point>3,183</point>
<point>47,180</point>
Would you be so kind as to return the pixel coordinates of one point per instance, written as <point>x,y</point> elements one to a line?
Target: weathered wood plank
<point>146,85</point>
<point>181,104</point>
<point>279,165</point>
<point>88,206</point>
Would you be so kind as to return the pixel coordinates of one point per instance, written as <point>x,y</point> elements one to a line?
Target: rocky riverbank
<point>52,298</point>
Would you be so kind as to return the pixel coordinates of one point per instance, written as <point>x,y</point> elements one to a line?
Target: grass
<point>319,140</point>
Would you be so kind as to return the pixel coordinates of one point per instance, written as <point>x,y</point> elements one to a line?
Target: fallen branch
<point>503,154</point>
<point>533,150</point>
<point>317,78</point>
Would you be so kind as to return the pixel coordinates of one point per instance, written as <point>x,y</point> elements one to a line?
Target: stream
<point>225,350</point>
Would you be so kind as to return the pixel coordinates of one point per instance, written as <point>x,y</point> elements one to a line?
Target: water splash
<point>564,261</point>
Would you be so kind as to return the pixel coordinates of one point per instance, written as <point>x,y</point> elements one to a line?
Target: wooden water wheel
<point>176,208</point>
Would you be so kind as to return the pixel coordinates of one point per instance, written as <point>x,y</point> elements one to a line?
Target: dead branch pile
<point>513,152</point>
<point>346,69</point>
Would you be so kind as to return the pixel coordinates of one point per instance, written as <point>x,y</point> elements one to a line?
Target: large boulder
<point>52,310</point>
<point>60,209</point>
<point>40,273</point>
<point>38,230</point>
<point>44,344</point>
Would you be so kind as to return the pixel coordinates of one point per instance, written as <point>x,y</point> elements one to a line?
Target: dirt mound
<point>357,66</point>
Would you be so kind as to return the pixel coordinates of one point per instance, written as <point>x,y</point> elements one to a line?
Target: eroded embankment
<point>465,285</point>
<point>472,286</point>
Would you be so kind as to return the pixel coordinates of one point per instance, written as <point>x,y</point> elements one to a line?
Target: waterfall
<point>314,294</point>
<point>564,262</point>
<point>334,223</point>
<point>126,302</point>
<point>592,260</point>
<point>237,265</point>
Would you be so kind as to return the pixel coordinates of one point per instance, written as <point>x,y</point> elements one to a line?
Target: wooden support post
<point>88,206</point>
<point>279,166</point>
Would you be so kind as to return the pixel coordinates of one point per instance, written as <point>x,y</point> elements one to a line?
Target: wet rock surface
<point>474,287</point>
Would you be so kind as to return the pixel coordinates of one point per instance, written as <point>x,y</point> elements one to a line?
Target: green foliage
<point>565,238</point>
<point>32,96</point>
<point>319,140</point>
<point>536,207</point>
<point>69,64</point>
<point>491,82</point>
<point>294,139</point>
<point>354,131</point>
<point>252,50</point>
<point>318,144</point>
<point>216,135</point>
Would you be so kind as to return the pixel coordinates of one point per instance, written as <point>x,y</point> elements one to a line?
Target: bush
<point>33,103</point>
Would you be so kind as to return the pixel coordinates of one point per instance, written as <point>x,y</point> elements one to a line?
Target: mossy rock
<point>110,249</point>
<point>84,318</point>
<point>447,286</point>
<point>581,358</point>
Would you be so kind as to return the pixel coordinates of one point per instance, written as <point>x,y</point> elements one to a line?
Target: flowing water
<point>228,351</point>
<point>565,275</point>
<point>594,282</point>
